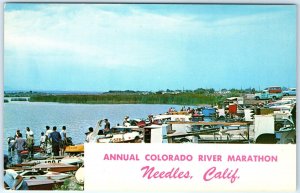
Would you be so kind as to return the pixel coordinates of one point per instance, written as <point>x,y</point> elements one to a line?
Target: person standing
<point>106,126</point>
<point>30,144</point>
<point>126,121</point>
<point>43,141</point>
<point>17,133</point>
<point>48,146</point>
<point>47,134</point>
<point>63,143</point>
<point>10,143</point>
<point>19,144</point>
<point>91,135</point>
<point>28,132</point>
<point>150,118</point>
<point>55,139</point>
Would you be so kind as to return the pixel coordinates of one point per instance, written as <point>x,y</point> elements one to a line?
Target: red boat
<point>43,184</point>
<point>35,150</point>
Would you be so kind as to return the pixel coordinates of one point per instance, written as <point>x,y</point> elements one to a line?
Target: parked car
<point>289,92</point>
<point>273,89</point>
<point>266,95</point>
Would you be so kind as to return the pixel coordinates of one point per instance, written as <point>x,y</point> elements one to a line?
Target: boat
<point>34,184</point>
<point>56,167</point>
<point>199,132</point>
<point>41,156</point>
<point>121,134</point>
<point>286,135</point>
<point>45,161</point>
<point>43,175</point>
<point>79,175</point>
<point>21,166</point>
<point>178,113</point>
<point>75,148</point>
<point>72,160</point>
<point>160,119</point>
<point>35,149</point>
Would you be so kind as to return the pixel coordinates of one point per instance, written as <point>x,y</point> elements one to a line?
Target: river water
<point>76,117</point>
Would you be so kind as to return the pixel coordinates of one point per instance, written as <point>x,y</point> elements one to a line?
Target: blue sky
<point>101,47</point>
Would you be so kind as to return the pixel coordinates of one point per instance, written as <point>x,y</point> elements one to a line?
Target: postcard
<point>150,97</point>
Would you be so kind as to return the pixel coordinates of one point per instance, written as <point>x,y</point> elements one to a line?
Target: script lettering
<point>212,173</point>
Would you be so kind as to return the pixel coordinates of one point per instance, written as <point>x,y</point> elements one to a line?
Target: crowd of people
<point>51,142</point>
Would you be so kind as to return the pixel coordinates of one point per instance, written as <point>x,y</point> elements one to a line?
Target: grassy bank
<point>180,99</point>
<point>69,184</point>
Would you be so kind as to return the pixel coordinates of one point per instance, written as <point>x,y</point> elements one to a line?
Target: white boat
<point>180,117</point>
<point>283,105</point>
<point>79,175</point>
<point>121,134</point>
<point>48,160</point>
<point>44,175</point>
<point>72,160</point>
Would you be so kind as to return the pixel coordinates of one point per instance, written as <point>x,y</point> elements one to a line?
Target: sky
<point>148,47</point>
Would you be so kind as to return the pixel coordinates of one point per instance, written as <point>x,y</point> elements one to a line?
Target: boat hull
<point>43,184</point>
<point>56,167</point>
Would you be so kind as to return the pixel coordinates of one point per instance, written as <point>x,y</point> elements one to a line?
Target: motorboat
<point>56,167</point>
<point>121,134</point>
<point>72,160</point>
<point>43,175</point>
<point>34,184</point>
<point>75,149</point>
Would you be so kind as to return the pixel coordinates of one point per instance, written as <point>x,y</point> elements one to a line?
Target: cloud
<point>101,38</point>
<point>107,38</point>
<point>97,36</point>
